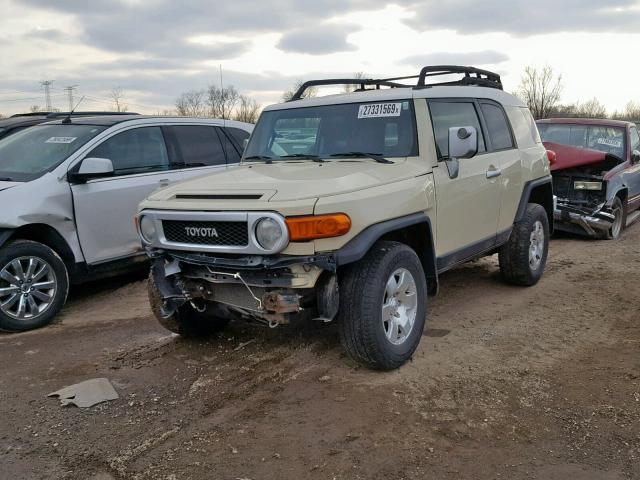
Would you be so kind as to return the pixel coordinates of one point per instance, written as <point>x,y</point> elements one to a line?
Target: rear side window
<point>198,145</point>
<point>135,151</point>
<point>445,115</point>
<point>238,136</point>
<point>635,139</point>
<point>524,127</point>
<point>497,126</point>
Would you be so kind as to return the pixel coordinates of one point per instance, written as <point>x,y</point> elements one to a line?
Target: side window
<point>233,152</point>
<point>635,139</point>
<point>497,126</point>
<point>238,136</point>
<point>445,115</point>
<point>198,145</point>
<point>135,151</point>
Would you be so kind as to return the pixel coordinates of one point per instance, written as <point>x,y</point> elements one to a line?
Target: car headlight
<point>268,233</point>
<point>587,185</point>
<point>147,229</point>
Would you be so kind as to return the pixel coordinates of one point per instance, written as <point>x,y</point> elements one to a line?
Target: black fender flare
<point>5,234</point>
<point>358,246</point>
<point>547,203</point>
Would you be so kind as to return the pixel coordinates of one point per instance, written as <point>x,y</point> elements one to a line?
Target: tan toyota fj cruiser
<point>348,207</point>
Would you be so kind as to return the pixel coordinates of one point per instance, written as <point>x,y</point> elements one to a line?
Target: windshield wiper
<point>266,158</point>
<point>304,156</point>
<point>376,156</point>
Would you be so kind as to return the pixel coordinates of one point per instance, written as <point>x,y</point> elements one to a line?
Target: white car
<point>69,190</point>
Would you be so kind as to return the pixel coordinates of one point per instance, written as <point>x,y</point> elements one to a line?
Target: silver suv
<point>348,207</point>
<point>69,190</point>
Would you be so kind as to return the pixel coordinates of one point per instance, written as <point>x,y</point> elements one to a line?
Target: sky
<point>154,50</point>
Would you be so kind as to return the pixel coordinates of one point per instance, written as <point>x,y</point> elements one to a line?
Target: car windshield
<point>34,151</point>
<point>383,128</point>
<point>595,137</point>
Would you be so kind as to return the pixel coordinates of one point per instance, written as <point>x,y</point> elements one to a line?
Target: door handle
<point>164,182</point>
<point>493,172</point>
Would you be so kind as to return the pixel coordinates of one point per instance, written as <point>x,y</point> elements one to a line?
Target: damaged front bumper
<point>588,219</point>
<point>271,290</point>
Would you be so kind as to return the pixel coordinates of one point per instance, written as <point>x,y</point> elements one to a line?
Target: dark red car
<point>596,174</point>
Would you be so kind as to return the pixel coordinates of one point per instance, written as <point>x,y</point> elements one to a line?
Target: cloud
<point>485,57</point>
<point>524,17</point>
<point>319,40</point>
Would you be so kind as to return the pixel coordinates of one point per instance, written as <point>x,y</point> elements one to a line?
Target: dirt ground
<point>508,383</point>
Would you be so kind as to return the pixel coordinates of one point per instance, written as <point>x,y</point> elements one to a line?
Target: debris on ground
<point>86,394</point>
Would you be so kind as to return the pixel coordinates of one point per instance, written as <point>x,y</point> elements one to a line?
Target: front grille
<point>562,186</point>
<point>234,234</point>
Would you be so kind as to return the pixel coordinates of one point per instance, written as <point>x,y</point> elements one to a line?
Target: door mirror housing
<point>92,167</point>
<point>635,156</point>
<point>463,143</point>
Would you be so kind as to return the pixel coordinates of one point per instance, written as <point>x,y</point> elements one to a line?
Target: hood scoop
<point>219,196</point>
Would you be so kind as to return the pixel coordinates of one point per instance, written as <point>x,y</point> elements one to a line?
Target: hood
<point>5,185</point>
<point>291,180</point>
<point>570,157</point>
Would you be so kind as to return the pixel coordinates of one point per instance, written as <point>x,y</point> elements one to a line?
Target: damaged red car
<point>596,174</point>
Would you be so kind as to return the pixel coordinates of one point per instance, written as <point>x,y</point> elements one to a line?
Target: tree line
<point>218,102</point>
<point>541,89</point>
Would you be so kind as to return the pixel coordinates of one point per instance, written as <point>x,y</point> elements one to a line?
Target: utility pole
<point>47,94</point>
<point>69,91</point>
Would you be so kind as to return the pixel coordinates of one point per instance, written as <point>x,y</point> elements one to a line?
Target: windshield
<point>384,128</point>
<point>34,151</point>
<point>595,137</point>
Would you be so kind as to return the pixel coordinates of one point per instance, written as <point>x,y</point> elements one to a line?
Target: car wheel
<point>524,256</point>
<point>186,320</point>
<point>618,210</point>
<point>383,301</point>
<point>34,284</point>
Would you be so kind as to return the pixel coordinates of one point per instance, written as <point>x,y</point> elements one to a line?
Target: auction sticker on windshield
<point>61,140</point>
<point>376,110</point>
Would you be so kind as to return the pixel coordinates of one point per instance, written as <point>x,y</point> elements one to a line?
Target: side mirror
<point>92,167</point>
<point>635,156</point>
<point>463,143</point>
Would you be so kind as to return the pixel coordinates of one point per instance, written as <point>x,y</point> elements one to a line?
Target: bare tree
<point>192,104</point>
<point>630,113</point>
<point>248,110</point>
<point>352,88</point>
<point>35,108</point>
<point>222,101</point>
<point>309,92</point>
<point>591,109</point>
<point>117,96</point>
<point>540,90</point>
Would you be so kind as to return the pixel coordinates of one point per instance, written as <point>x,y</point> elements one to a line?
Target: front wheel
<point>524,256</point>
<point>186,320</point>
<point>33,285</point>
<point>383,306</point>
<point>618,211</point>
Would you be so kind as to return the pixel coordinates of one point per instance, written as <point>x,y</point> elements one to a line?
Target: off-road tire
<point>514,255</point>
<point>27,248</point>
<point>620,206</point>
<point>186,320</point>
<point>362,290</point>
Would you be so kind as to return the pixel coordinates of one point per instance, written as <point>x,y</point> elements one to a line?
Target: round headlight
<point>147,229</point>
<point>268,233</point>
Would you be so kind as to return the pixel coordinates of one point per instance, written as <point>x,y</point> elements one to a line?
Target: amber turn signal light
<point>313,227</point>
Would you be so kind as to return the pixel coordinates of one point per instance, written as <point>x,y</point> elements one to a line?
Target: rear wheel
<point>33,285</point>
<point>383,306</point>
<point>186,320</point>
<point>524,256</point>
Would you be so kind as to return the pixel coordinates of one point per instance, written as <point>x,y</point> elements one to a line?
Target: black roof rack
<point>472,76</point>
<point>64,114</point>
